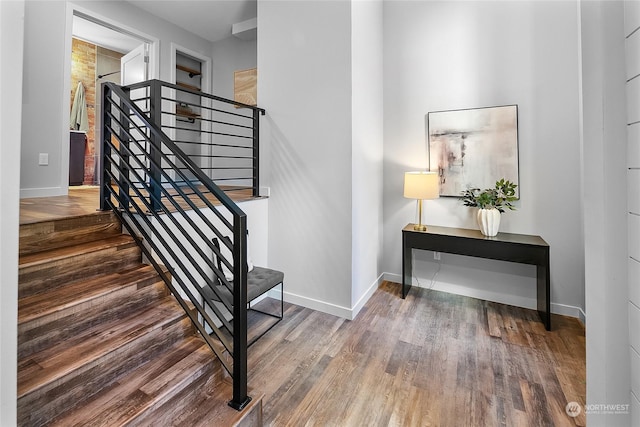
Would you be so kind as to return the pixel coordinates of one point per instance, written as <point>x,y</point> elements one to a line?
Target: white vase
<point>489,221</point>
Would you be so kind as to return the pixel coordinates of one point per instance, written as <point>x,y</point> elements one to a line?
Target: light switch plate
<point>43,159</point>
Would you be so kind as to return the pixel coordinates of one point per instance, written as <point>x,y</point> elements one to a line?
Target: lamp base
<point>420,227</point>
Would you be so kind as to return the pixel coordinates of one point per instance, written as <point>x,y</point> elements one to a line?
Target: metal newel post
<point>256,152</point>
<point>240,397</point>
<point>155,114</point>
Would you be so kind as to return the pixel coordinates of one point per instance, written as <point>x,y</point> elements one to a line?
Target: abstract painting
<point>473,148</point>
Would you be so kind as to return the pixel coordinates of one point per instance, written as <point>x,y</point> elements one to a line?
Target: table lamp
<point>421,186</point>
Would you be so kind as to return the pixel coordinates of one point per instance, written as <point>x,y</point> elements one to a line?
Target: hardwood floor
<point>83,200</point>
<point>434,359</point>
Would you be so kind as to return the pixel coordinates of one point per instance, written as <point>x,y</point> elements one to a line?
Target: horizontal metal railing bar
<point>228,168</point>
<point>210,156</point>
<point>238,188</point>
<point>213,109</point>
<point>210,132</point>
<point>214,144</point>
<point>228,188</point>
<point>194,92</point>
<point>220,156</point>
<point>208,260</point>
<point>202,119</point>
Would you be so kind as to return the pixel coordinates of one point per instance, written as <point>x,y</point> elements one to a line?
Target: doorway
<point>97,52</point>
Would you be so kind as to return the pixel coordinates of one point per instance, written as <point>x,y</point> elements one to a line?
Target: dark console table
<point>519,248</point>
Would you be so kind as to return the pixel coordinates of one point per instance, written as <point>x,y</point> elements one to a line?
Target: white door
<point>134,68</point>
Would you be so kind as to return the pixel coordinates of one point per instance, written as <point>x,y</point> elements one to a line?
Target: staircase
<point>101,341</point>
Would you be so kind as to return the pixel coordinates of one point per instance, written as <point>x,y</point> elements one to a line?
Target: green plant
<point>499,197</point>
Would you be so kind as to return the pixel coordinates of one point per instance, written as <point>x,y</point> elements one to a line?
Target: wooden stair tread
<point>73,356</point>
<point>58,254</point>
<point>43,304</point>
<point>148,387</point>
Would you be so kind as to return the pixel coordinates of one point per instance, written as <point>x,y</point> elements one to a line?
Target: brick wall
<point>83,69</point>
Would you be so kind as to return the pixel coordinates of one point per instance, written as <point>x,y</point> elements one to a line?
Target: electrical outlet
<point>436,256</point>
<point>43,159</point>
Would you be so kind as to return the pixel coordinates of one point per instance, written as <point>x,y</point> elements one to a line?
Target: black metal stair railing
<point>219,135</point>
<point>174,208</point>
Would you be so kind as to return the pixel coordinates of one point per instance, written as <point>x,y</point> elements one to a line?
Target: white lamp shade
<point>421,185</point>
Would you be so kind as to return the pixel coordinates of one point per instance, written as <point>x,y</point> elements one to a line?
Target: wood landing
<point>101,341</point>
<point>83,200</point>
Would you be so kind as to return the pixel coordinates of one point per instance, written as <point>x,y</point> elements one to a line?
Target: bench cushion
<point>259,281</point>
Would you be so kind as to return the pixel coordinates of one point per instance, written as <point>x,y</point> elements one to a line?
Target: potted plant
<point>491,202</point>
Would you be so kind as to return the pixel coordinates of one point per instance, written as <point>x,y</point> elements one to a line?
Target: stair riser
<point>42,405</point>
<point>67,232</point>
<point>54,328</point>
<point>45,276</point>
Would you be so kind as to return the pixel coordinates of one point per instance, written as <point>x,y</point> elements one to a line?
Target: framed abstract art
<point>473,148</point>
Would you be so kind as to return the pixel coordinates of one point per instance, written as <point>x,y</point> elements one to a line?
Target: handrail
<point>157,191</point>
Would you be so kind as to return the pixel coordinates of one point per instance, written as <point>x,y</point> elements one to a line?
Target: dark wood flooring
<point>433,359</point>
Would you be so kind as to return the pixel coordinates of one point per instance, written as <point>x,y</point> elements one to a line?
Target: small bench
<point>260,280</point>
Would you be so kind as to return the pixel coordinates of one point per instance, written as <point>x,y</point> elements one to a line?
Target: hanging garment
<point>79,119</point>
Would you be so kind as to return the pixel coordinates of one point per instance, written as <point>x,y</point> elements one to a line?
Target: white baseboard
<point>329,308</point>
<point>364,298</point>
<point>28,193</point>
<point>569,310</point>
<point>314,304</point>
<point>518,301</point>
<point>264,191</point>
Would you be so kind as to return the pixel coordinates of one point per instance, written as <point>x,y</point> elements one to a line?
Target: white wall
<point>367,131</point>
<point>46,89</point>
<point>450,55</point>
<point>229,55</point>
<point>632,23</point>
<point>605,210</point>
<point>43,91</point>
<point>304,63</point>
<point>11,48</point>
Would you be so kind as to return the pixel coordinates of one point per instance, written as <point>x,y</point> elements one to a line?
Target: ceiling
<point>209,19</point>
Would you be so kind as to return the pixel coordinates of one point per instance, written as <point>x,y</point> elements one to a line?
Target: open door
<point>134,68</point>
